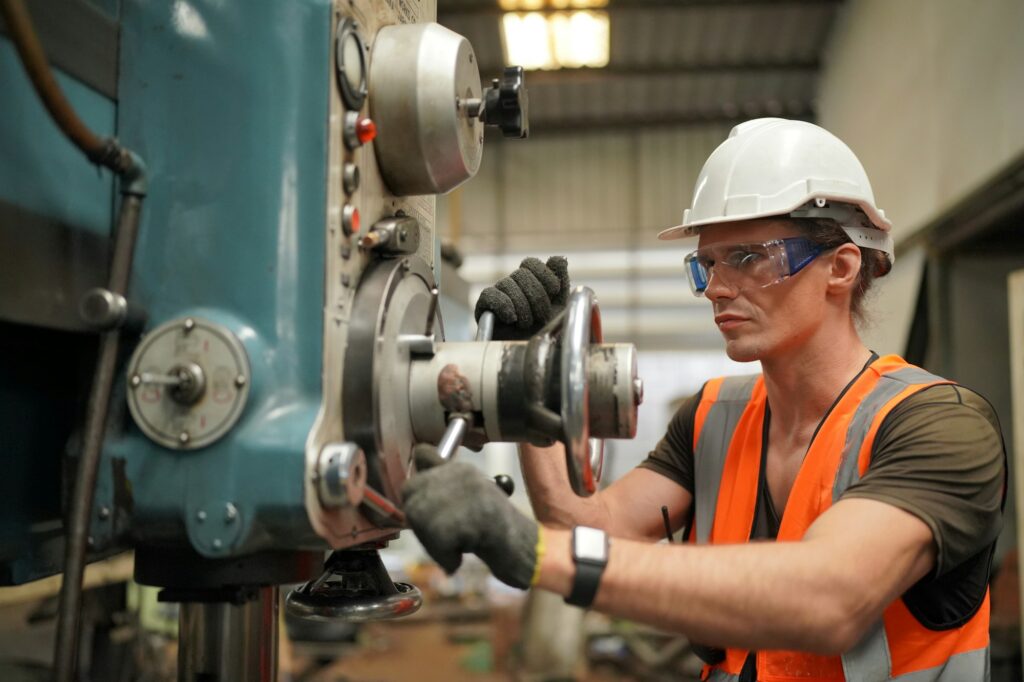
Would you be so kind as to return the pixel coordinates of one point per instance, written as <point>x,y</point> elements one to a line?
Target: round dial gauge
<point>188,382</point>
<point>350,55</point>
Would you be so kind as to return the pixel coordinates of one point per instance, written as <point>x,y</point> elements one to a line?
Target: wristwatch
<point>590,554</point>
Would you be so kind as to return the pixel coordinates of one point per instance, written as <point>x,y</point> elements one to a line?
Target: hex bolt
<point>240,380</point>
<point>136,380</point>
<point>184,437</point>
<point>190,324</point>
<point>200,516</point>
<point>104,513</point>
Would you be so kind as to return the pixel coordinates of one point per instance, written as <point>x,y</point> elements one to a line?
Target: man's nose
<point>719,287</point>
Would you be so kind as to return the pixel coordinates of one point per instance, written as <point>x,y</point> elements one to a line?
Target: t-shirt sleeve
<point>939,456</point>
<point>673,455</point>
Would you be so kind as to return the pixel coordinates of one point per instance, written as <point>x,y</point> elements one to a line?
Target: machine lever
<point>458,424</point>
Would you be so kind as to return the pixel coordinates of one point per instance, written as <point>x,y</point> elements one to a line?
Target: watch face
<point>589,543</point>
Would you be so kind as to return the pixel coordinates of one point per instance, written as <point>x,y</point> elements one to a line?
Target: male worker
<point>880,484</point>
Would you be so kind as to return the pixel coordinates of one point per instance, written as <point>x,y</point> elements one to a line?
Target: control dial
<point>188,382</point>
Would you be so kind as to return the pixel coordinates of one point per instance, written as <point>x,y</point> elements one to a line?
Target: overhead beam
<point>807,67</point>
<point>632,123</point>
<point>450,8</point>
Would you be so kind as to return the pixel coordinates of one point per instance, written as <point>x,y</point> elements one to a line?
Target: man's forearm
<point>761,596</point>
<point>547,484</point>
<point>819,594</point>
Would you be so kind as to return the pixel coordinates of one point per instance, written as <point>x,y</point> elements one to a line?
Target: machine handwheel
<point>584,455</point>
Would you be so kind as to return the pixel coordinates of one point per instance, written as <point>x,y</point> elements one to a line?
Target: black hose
<point>131,171</point>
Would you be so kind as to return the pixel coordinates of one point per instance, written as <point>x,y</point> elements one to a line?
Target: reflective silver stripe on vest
<point>869,661</point>
<point>970,665</point>
<point>888,387</point>
<point>713,446</point>
<point>718,675</point>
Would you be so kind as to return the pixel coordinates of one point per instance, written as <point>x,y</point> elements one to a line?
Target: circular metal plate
<point>422,76</point>
<point>224,364</point>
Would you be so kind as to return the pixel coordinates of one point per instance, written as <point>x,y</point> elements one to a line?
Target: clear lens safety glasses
<point>750,266</point>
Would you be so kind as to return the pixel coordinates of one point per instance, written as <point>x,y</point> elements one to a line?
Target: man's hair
<point>873,263</point>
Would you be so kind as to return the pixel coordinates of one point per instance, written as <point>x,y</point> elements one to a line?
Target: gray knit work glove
<point>454,508</point>
<point>527,299</point>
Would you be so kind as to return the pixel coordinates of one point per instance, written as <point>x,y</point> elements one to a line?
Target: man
<point>880,484</point>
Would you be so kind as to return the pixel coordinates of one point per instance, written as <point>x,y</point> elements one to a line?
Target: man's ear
<point>845,268</point>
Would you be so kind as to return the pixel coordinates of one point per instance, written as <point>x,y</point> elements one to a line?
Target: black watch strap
<point>585,584</point>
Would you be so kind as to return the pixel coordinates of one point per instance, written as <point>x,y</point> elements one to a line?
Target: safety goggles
<point>750,266</point>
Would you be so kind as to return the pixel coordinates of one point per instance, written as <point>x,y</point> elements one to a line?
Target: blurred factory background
<point>626,100</point>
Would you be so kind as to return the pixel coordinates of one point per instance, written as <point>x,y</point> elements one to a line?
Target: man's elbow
<point>842,619</point>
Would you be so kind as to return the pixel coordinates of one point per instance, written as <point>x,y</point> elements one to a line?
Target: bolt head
<point>217,544</point>
<point>136,380</point>
<point>189,325</point>
<point>240,380</point>
<point>104,513</point>
<point>184,437</point>
<point>200,516</point>
<point>230,513</point>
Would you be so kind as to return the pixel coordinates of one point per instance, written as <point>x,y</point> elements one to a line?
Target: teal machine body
<point>281,339</point>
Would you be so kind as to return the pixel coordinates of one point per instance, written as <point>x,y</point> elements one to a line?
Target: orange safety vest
<point>727,459</point>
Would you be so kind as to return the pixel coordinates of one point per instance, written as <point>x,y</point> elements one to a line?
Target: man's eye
<point>741,259</point>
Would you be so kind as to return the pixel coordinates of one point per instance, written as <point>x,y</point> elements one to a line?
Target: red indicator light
<point>355,220</point>
<point>366,130</point>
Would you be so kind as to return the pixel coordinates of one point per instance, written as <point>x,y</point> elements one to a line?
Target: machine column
<point>222,641</point>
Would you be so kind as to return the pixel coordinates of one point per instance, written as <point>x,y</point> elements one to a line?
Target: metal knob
<point>505,482</point>
<point>506,104</point>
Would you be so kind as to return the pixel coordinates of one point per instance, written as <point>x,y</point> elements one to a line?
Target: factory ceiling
<point>672,62</point>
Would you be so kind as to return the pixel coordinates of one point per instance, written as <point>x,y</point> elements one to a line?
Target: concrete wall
<point>929,95</point>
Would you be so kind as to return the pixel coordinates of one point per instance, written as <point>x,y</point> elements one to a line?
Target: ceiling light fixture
<point>552,36</point>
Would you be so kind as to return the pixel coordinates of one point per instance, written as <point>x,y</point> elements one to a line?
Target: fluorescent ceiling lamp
<point>581,38</point>
<point>533,5</point>
<point>575,39</point>
<point>526,41</point>
<point>520,5</point>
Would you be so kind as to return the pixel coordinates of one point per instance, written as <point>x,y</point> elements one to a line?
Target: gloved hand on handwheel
<point>527,299</point>
<point>454,508</point>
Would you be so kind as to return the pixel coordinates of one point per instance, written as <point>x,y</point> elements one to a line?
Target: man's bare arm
<point>819,594</point>
<point>629,508</point>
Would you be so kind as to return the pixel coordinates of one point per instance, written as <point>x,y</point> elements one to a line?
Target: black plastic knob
<point>506,483</point>
<point>506,105</point>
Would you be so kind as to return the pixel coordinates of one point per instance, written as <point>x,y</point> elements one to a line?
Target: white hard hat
<point>774,167</point>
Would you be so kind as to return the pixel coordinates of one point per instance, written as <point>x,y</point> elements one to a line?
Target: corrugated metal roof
<point>672,62</point>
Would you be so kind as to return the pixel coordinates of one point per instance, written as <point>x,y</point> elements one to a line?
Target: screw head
<point>104,513</point>
<point>217,544</point>
<point>189,325</point>
<point>240,380</point>
<point>200,516</point>
<point>230,513</point>
<point>136,380</point>
<point>184,437</point>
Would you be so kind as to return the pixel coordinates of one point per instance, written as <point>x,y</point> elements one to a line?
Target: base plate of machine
<point>355,609</point>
